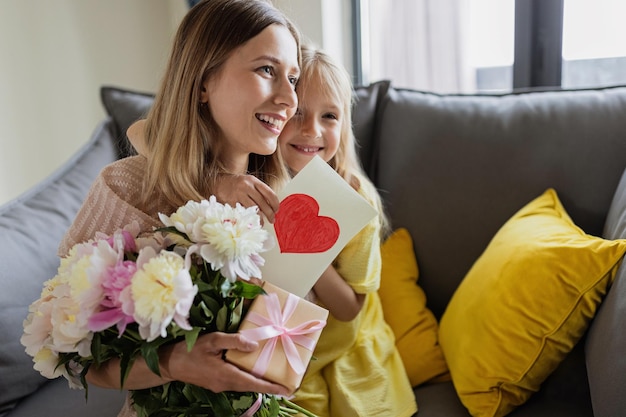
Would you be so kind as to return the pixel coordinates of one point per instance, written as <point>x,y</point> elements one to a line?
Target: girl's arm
<point>337,296</point>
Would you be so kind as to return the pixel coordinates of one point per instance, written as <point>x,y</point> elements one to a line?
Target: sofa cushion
<point>404,306</point>
<point>523,305</point>
<point>125,107</point>
<point>606,341</point>
<point>31,227</point>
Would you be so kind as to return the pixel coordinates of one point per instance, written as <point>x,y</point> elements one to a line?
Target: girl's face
<point>253,95</point>
<point>314,130</point>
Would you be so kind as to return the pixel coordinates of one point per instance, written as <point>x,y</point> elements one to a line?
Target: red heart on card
<point>300,229</point>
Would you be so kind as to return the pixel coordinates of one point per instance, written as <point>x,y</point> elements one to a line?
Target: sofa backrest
<point>31,227</point>
<point>453,168</point>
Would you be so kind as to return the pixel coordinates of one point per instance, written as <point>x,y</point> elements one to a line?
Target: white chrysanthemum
<point>228,238</point>
<point>186,216</point>
<point>234,238</point>
<point>162,291</point>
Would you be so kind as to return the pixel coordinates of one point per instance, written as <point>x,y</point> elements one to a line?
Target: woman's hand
<point>204,366</point>
<point>248,191</point>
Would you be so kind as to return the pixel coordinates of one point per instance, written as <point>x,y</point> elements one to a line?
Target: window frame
<point>538,42</point>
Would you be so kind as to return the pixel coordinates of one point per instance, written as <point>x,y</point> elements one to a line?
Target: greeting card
<point>319,213</point>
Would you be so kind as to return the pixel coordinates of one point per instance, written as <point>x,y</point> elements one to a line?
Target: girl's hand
<point>248,191</point>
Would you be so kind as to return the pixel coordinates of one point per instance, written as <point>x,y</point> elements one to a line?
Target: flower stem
<point>296,407</point>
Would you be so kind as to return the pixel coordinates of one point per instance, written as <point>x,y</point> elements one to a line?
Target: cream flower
<point>234,242</point>
<point>228,238</point>
<point>162,291</point>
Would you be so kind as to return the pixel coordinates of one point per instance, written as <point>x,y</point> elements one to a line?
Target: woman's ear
<point>136,136</point>
<point>204,93</point>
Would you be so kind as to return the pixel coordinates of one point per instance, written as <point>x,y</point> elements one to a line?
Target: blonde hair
<point>334,80</point>
<point>181,135</point>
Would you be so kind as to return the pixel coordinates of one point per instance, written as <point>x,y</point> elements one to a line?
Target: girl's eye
<point>331,116</point>
<point>293,80</point>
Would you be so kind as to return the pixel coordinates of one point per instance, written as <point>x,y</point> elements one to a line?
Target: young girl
<point>197,131</point>
<point>357,371</point>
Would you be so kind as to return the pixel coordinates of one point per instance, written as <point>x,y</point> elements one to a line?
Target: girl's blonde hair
<point>319,70</point>
<point>181,135</point>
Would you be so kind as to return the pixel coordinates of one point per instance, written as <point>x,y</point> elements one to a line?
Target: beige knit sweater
<point>113,202</point>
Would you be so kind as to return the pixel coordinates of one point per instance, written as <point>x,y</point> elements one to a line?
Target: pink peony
<point>113,311</point>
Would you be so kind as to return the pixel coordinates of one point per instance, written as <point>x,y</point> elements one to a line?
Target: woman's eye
<point>332,116</point>
<point>293,80</point>
<point>267,69</point>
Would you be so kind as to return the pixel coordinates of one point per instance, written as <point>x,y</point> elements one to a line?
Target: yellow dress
<point>357,370</point>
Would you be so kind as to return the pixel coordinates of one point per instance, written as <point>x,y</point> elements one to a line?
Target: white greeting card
<point>319,213</point>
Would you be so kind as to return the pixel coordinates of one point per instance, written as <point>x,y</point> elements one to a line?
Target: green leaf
<point>191,337</point>
<point>126,362</point>
<point>151,356</point>
<point>222,319</point>
<point>248,290</point>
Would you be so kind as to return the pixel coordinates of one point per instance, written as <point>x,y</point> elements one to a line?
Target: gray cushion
<point>606,341</point>
<point>125,107</point>
<point>31,227</point>
<point>55,399</point>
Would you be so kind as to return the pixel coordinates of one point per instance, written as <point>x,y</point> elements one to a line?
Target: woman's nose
<point>286,95</point>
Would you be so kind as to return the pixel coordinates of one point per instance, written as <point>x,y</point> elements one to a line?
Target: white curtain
<point>419,44</point>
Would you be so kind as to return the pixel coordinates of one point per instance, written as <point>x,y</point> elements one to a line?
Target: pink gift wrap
<point>287,329</point>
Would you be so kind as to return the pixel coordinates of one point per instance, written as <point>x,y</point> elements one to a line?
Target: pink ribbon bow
<point>273,328</point>
<point>254,407</point>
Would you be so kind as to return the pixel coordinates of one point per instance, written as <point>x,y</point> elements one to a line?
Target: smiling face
<point>253,95</point>
<point>316,127</point>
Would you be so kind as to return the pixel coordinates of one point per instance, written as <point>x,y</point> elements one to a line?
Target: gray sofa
<point>451,169</point>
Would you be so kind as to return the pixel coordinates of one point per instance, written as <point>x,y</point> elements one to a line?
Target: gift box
<point>287,328</point>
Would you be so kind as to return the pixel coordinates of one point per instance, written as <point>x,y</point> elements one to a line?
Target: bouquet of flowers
<point>124,296</point>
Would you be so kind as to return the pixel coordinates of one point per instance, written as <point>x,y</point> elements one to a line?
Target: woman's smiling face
<point>253,95</point>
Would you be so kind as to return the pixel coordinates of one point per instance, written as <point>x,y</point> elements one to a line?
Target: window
<point>594,43</point>
<point>491,45</point>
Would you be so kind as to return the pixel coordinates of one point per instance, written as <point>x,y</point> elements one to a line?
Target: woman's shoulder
<point>129,166</point>
<point>124,178</point>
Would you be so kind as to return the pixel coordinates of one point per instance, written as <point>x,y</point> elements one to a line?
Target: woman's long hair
<point>181,135</point>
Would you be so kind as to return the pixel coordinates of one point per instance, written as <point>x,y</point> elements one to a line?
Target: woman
<point>228,90</point>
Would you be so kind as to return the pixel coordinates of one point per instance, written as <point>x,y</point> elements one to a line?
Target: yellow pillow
<point>523,305</point>
<point>404,308</point>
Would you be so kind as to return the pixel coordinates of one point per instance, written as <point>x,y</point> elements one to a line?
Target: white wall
<point>55,55</point>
